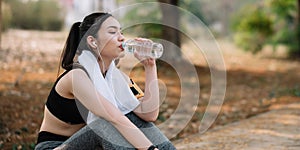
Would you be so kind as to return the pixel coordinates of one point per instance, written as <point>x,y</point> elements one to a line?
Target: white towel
<point>114,87</point>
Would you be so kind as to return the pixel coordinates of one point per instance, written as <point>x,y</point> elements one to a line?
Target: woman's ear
<point>92,42</point>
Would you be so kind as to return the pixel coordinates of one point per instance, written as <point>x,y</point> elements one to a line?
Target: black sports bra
<point>68,110</point>
<point>71,110</point>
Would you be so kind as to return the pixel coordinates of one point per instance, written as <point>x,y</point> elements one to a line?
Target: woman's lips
<point>121,47</point>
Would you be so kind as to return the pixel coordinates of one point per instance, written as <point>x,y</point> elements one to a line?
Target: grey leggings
<point>100,134</point>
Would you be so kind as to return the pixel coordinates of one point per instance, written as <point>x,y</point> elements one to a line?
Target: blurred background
<point>258,39</point>
<point>275,22</point>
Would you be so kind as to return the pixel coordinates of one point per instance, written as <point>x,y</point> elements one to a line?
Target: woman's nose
<point>121,37</point>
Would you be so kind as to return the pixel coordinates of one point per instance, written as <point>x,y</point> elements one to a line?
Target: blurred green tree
<point>49,14</point>
<point>38,15</point>
<point>252,27</point>
<point>270,22</point>
<point>286,24</point>
<point>6,16</point>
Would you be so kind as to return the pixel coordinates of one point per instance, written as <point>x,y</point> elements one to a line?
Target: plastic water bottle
<point>143,49</point>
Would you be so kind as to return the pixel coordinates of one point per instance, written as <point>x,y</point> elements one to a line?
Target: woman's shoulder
<point>70,74</point>
<point>65,82</point>
<point>77,72</point>
<point>76,66</point>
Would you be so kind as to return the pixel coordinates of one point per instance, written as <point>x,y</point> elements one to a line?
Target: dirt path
<point>278,129</point>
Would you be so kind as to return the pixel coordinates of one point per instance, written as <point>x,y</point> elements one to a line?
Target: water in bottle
<point>144,49</point>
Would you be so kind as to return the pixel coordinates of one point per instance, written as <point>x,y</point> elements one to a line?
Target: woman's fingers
<point>143,48</point>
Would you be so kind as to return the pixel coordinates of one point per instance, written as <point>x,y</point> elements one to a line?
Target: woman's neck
<point>104,65</point>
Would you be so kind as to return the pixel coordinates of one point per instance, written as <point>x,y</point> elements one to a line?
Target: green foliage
<point>51,18</point>
<point>257,21</point>
<point>290,91</point>
<point>152,13</point>
<point>6,16</point>
<point>39,15</point>
<point>146,16</point>
<point>248,41</point>
<point>285,14</point>
<point>282,8</point>
<point>271,22</point>
<point>252,27</point>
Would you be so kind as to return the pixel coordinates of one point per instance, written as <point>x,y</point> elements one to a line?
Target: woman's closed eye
<point>112,32</point>
<point>115,33</point>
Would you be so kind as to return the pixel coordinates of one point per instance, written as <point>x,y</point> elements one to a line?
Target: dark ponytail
<point>78,31</point>
<point>71,46</point>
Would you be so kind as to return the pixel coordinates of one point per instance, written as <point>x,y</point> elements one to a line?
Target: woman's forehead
<point>111,22</point>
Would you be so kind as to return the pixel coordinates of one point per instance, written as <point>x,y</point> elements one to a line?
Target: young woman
<point>93,90</point>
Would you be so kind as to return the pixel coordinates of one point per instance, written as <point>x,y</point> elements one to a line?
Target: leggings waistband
<point>48,136</point>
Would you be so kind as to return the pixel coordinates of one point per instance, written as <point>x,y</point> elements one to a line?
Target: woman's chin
<point>121,55</point>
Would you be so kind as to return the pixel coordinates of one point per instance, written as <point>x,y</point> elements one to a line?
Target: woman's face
<point>110,38</point>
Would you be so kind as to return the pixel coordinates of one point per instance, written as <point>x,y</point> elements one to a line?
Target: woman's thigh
<point>84,139</point>
<point>101,134</point>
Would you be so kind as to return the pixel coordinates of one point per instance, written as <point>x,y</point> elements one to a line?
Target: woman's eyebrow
<point>115,27</point>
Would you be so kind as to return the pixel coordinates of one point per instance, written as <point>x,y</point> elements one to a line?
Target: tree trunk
<point>0,22</point>
<point>100,6</point>
<point>170,33</point>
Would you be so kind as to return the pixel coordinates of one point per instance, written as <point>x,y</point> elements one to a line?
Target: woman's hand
<point>146,45</point>
<point>148,62</point>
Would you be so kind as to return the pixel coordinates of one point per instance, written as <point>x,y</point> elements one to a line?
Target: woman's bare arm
<point>149,108</point>
<point>83,89</point>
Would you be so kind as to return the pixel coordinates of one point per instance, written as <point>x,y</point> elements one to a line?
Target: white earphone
<point>94,43</point>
